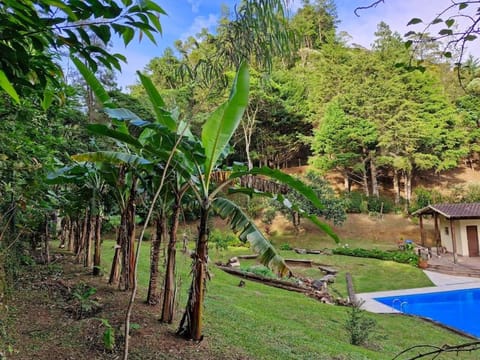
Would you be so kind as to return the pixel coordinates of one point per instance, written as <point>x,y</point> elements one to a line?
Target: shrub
<point>285,247</point>
<point>259,270</point>
<point>380,204</point>
<point>423,197</point>
<point>353,202</point>
<point>359,326</point>
<point>403,257</point>
<point>223,240</point>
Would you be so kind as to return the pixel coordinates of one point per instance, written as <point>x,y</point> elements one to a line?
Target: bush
<point>380,204</point>
<point>285,247</point>
<point>357,202</point>
<point>403,257</point>
<point>259,270</point>
<point>423,197</point>
<point>358,326</point>
<point>223,240</point>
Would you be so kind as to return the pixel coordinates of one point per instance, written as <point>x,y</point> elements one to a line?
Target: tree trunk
<point>46,241</point>
<point>98,246</point>
<point>79,251</point>
<point>88,261</point>
<point>123,263</point>
<point>396,186</point>
<point>346,182</point>
<point>191,324</point>
<point>3,278</point>
<point>153,297</point>
<point>366,190</point>
<point>408,187</point>
<point>373,176</point>
<point>169,288</point>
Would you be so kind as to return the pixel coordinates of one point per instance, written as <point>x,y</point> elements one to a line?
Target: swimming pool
<point>459,309</point>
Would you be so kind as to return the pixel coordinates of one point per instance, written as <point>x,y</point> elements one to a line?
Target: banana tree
<point>195,160</point>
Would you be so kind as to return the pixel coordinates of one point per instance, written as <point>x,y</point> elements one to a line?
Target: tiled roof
<point>453,211</point>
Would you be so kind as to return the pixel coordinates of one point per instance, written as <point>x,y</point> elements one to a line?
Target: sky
<point>187,17</point>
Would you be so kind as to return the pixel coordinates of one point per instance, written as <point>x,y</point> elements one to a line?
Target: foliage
<point>403,257</point>
<point>285,246</point>
<point>331,206</point>
<point>35,32</point>
<point>423,197</point>
<point>108,336</point>
<point>357,202</point>
<point>222,240</point>
<point>83,304</point>
<point>359,326</point>
<point>259,270</point>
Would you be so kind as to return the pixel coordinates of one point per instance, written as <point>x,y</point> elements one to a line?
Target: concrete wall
<point>460,227</point>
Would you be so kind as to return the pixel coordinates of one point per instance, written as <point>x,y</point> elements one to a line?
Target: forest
<point>208,127</point>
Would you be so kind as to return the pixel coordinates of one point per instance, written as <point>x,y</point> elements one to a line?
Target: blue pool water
<point>459,309</point>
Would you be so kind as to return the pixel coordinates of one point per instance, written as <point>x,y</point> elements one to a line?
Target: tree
<point>34,32</point>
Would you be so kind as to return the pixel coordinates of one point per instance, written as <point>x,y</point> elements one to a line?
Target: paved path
<point>442,282</point>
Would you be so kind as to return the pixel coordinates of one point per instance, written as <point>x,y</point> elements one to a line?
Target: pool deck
<point>442,282</point>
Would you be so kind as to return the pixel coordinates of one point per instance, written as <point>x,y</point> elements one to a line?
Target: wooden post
<point>351,291</point>
<point>422,231</point>
<point>454,241</point>
<point>438,241</point>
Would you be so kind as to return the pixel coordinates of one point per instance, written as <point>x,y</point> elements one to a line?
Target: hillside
<point>444,182</point>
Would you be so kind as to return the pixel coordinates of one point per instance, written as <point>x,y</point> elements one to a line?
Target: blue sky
<point>188,17</point>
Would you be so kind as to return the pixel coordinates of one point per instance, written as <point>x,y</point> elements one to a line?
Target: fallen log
<point>251,256</point>
<point>299,262</point>
<point>282,284</point>
<point>328,270</point>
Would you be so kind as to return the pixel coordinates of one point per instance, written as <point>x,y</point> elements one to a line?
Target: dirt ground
<point>41,321</point>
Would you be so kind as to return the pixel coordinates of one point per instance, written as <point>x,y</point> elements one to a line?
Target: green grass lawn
<point>261,322</point>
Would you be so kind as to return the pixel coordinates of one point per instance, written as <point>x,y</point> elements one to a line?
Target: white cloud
<point>199,23</point>
<point>195,5</point>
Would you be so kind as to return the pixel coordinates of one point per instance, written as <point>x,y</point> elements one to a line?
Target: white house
<point>456,227</point>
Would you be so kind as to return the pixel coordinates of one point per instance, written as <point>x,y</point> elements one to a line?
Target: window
<point>446,230</point>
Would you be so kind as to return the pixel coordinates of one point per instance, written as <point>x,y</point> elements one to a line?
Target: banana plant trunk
<point>157,236</point>
<point>191,324</point>
<point>168,307</point>
<point>98,246</point>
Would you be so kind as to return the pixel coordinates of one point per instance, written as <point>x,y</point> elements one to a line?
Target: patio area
<point>465,266</point>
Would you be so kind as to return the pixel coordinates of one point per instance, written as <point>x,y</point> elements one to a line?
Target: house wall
<point>446,235</point>
<point>464,224</point>
<point>460,234</point>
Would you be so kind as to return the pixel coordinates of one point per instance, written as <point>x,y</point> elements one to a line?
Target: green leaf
<point>437,21</point>
<point>470,37</point>
<point>93,82</point>
<point>445,32</point>
<point>414,21</point>
<point>101,129</point>
<point>462,6</point>
<point>447,54</point>
<point>48,96</point>
<point>111,157</point>
<point>221,125</point>
<point>246,230</point>
<point>6,85</point>
<point>285,179</point>
<point>450,22</point>
<point>163,116</point>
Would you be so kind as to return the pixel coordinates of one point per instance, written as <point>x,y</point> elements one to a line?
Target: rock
<point>328,278</point>
<point>300,251</point>
<point>233,262</point>
<point>319,284</point>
